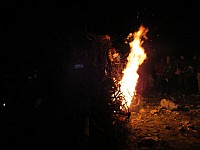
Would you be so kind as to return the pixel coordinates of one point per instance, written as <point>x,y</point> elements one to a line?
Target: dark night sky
<point>173,26</point>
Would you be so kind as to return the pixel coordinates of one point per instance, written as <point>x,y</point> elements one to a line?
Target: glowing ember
<point>135,59</point>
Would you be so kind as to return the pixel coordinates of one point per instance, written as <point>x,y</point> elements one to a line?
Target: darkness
<point>173,26</point>
<point>27,27</point>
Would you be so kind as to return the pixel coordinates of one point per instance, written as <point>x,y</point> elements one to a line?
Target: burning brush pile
<point>117,96</point>
<point>157,121</point>
<point>124,93</point>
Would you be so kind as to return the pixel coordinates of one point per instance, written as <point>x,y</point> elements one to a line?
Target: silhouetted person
<point>198,74</point>
<point>143,81</point>
<point>182,66</point>
<point>159,70</point>
<point>169,70</point>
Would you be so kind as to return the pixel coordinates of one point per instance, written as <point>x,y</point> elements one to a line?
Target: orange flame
<point>135,59</point>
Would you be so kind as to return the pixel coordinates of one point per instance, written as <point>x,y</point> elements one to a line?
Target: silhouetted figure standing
<point>182,65</point>
<point>159,69</point>
<point>198,74</point>
<point>169,71</point>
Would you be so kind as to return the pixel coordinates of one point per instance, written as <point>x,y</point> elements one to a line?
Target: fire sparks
<point>136,57</point>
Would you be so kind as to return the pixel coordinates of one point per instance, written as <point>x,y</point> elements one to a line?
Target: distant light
<point>4,104</point>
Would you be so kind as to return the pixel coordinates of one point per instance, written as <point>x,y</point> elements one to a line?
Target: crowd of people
<point>171,74</point>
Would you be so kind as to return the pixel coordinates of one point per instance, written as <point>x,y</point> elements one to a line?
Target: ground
<point>160,122</point>
<point>164,122</point>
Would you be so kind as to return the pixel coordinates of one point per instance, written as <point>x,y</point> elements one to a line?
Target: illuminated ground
<point>153,127</point>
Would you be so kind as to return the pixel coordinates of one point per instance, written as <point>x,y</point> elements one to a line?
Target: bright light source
<point>136,57</point>
<point>4,104</point>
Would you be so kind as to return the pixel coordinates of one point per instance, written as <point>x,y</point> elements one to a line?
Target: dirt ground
<point>161,122</point>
